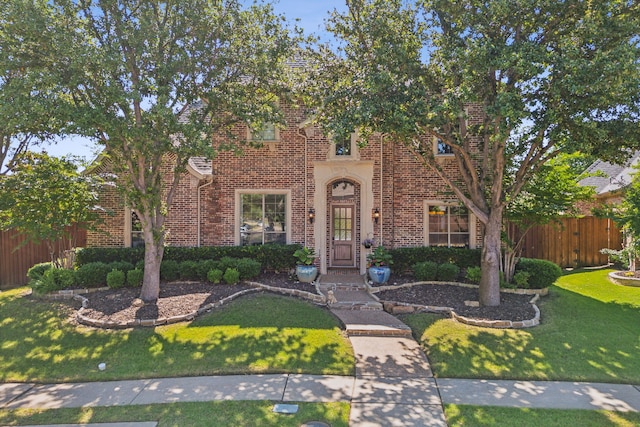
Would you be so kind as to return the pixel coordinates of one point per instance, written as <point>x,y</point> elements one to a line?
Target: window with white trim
<point>263,218</point>
<point>447,225</point>
<point>441,148</point>
<point>269,132</point>
<point>344,149</point>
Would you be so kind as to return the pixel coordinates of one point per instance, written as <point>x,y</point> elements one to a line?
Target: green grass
<point>476,416</point>
<point>589,332</point>
<point>255,334</point>
<point>222,414</point>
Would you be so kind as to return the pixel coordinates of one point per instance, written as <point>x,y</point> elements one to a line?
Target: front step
<point>371,323</point>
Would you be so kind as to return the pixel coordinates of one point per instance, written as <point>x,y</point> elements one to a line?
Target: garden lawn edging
<point>623,281</point>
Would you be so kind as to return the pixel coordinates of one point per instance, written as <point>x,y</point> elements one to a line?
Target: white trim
<point>240,192</point>
<point>425,221</point>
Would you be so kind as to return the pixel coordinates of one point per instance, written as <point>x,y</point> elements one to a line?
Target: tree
<point>551,193</point>
<point>503,83</point>
<point>44,197</point>
<point>155,81</point>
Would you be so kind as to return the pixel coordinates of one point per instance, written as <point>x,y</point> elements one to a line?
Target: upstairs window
<point>343,147</point>
<point>268,133</point>
<point>441,148</point>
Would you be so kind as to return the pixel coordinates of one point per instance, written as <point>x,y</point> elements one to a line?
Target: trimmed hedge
<point>405,258</point>
<point>448,272</point>
<point>542,273</point>
<point>272,257</point>
<point>425,271</point>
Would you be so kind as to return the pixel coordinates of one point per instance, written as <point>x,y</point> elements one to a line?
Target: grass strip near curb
<point>198,414</point>
<point>589,332</point>
<point>261,333</point>
<point>484,416</point>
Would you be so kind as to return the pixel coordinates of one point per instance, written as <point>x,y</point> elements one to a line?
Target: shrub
<point>121,265</point>
<point>139,265</point>
<point>55,279</point>
<point>231,276</point>
<point>108,255</point>
<point>542,273</point>
<point>93,274</point>
<point>425,271</point>
<point>36,272</point>
<point>448,272</point>
<point>248,268</point>
<point>169,270</point>
<point>215,275</point>
<point>405,258</point>
<point>473,274</point>
<point>203,267</point>
<point>135,277</point>
<point>521,279</point>
<point>188,270</point>
<point>115,279</point>
<point>227,262</point>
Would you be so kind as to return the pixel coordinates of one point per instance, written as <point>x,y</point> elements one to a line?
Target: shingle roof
<point>201,165</point>
<point>613,177</point>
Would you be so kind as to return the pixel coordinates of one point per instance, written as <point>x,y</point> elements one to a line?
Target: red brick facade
<point>303,166</point>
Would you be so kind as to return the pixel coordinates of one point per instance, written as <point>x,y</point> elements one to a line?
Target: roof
<point>200,167</point>
<point>610,177</point>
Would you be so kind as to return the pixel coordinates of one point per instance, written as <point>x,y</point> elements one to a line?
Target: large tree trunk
<point>490,262</point>
<point>153,253</point>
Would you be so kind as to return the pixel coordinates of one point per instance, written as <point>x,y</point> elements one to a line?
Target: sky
<point>311,15</point>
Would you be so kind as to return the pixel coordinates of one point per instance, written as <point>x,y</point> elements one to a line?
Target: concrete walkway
<point>393,385</point>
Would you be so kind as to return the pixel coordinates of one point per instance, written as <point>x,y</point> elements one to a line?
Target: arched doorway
<point>343,201</point>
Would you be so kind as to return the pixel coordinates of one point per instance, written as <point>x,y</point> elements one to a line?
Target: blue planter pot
<point>379,275</point>
<point>306,273</point>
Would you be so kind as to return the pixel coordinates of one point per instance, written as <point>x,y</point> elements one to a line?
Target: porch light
<point>312,215</point>
<point>376,215</point>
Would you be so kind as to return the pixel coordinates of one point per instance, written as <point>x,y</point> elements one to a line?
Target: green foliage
<point>227,262</point>
<point>44,197</point>
<point>405,258</point>
<point>93,274</point>
<point>116,279</point>
<point>121,265</point>
<point>380,257</point>
<point>55,279</point>
<point>521,279</point>
<point>425,271</point>
<point>107,255</point>
<point>189,270</point>
<point>231,276</point>
<point>248,268</point>
<point>542,273</point>
<point>473,274</point>
<point>448,272</point>
<point>169,270</point>
<point>36,272</point>
<point>305,256</point>
<point>203,267</point>
<point>215,276</point>
<point>135,277</point>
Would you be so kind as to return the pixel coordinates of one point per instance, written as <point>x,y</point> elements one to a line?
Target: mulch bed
<point>179,298</point>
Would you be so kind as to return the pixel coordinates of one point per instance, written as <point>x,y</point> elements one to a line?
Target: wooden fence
<point>14,263</point>
<point>574,242</point>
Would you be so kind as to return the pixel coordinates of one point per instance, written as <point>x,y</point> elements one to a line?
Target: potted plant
<point>368,242</point>
<point>305,270</point>
<point>379,262</point>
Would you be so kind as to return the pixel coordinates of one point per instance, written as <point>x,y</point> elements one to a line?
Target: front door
<point>342,252</point>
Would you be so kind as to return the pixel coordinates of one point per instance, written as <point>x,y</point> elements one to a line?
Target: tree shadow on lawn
<point>579,339</point>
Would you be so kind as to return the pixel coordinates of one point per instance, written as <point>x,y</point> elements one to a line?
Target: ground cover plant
<point>589,332</point>
<point>251,335</point>
<point>196,414</point>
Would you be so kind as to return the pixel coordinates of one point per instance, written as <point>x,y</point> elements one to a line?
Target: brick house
<point>300,187</point>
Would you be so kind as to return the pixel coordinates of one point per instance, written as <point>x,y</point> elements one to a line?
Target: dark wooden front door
<point>342,223</point>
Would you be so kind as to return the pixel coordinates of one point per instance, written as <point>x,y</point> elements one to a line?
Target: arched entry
<point>343,200</point>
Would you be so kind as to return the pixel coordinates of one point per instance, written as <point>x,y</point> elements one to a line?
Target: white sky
<point>311,15</point>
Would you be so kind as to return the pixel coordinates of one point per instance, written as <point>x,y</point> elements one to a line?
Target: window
<point>447,225</point>
<point>137,240</point>
<point>442,149</point>
<point>263,219</point>
<point>343,147</point>
<point>268,133</point>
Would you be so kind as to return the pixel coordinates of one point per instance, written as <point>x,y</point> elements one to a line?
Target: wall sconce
<point>312,215</point>
<point>376,215</point>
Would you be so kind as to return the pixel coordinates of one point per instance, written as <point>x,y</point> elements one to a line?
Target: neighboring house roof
<point>610,177</point>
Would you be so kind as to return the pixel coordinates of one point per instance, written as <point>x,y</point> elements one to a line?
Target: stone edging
<point>315,298</point>
<point>623,281</point>
<point>542,292</point>
<point>395,307</point>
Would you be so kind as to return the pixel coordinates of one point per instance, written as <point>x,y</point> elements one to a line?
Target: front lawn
<point>255,334</point>
<point>589,332</point>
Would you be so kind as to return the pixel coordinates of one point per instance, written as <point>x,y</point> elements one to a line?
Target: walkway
<point>393,385</point>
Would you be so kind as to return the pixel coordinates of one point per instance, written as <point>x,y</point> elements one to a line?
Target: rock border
<point>623,281</point>
<point>396,307</point>
<point>315,298</point>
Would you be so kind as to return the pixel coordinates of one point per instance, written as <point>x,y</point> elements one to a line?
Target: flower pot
<point>306,273</point>
<point>379,275</point>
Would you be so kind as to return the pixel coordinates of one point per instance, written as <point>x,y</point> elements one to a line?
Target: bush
<point>188,270</point>
<point>121,265</point>
<point>425,271</point>
<point>405,258</point>
<point>135,277</point>
<point>248,268</point>
<point>542,273</point>
<point>169,270</point>
<point>473,274</point>
<point>227,262</point>
<point>93,274</point>
<point>231,276</point>
<point>215,275</point>
<point>139,265</point>
<point>115,279</point>
<point>448,272</point>
<point>203,267</point>
<point>55,279</point>
<point>521,279</point>
<point>36,272</point>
